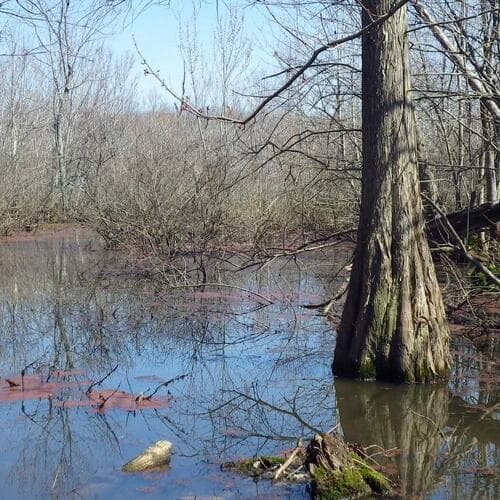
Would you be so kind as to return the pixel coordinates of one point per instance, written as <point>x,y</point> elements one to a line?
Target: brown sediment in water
<point>69,393</point>
<point>490,304</point>
<point>109,399</point>
<point>49,232</point>
<point>32,387</point>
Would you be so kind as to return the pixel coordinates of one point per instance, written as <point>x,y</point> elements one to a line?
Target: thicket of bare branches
<point>77,142</point>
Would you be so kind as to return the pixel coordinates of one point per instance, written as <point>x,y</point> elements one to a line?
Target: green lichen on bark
<point>367,369</point>
<point>426,373</point>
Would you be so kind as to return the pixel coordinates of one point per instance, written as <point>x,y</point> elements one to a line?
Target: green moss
<point>354,481</point>
<point>245,466</point>
<point>271,461</point>
<point>375,480</point>
<point>367,369</point>
<point>254,467</point>
<point>334,485</point>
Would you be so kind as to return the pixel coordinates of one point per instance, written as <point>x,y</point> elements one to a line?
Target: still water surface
<point>257,377</point>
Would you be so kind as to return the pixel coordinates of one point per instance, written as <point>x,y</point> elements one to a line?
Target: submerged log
<point>338,472</point>
<point>156,455</point>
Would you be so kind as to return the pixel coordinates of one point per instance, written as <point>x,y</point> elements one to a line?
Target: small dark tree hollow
<point>393,325</point>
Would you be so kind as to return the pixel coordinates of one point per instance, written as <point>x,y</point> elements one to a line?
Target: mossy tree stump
<point>337,472</point>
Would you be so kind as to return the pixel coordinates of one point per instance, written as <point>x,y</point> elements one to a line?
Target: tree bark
<point>393,325</point>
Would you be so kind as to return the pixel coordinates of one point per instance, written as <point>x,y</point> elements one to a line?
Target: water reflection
<point>258,371</point>
<point>434,440</point>
<point>406,420</point>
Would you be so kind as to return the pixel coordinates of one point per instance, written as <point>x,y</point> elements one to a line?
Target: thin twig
<point>441,432</point>
<point>91,386</point>
<point>164,384</point>
<point>302,69</point>
<point>105,400</point>
<point>277,409</point>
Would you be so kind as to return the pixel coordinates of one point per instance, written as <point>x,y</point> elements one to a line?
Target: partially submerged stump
<point>335,469</point>
<point>337,472</point>
<point>156,455</point>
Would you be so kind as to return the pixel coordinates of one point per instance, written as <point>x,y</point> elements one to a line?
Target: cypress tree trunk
<point>393,325</point>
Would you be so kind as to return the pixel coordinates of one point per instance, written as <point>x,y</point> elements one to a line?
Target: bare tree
<point>65,33</point>
<point>474,52</point>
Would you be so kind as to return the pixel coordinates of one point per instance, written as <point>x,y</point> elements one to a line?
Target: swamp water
<point>254,375</point>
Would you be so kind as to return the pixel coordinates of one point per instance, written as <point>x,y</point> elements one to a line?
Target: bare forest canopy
<point>78,141</point>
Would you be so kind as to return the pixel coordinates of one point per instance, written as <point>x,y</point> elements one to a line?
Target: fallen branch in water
<point>266,467</point>
<point>105,400</point>
<point>460,247</point>
<point>463,222</point>
<point>288,461</point>
<point>327,305</point>
<point>163,384</point>
<point>91,386</point>
<point>334,299</point>
<point>12,383</point>
<point>156,455</point>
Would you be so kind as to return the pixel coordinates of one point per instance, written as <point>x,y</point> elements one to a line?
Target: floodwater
<point>251,372</point>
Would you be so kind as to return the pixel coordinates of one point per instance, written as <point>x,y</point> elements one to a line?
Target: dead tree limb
<point>457,245</point>
<point>487,90</point>
<point>464,222</point>
<point>288,83</point>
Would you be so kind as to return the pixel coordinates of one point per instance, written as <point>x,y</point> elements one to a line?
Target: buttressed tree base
<point>393,325</point>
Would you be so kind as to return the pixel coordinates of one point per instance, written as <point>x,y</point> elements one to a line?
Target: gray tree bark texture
<point>393,325</point>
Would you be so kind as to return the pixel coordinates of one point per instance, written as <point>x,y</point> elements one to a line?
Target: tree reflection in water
<point>258,378</point>
<point>433,437</point>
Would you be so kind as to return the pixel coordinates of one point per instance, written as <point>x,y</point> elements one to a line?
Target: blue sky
<point>157,32</point>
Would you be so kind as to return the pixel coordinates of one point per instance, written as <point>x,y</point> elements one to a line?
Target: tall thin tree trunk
<point>490,128</point>
<point>393,325</point>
